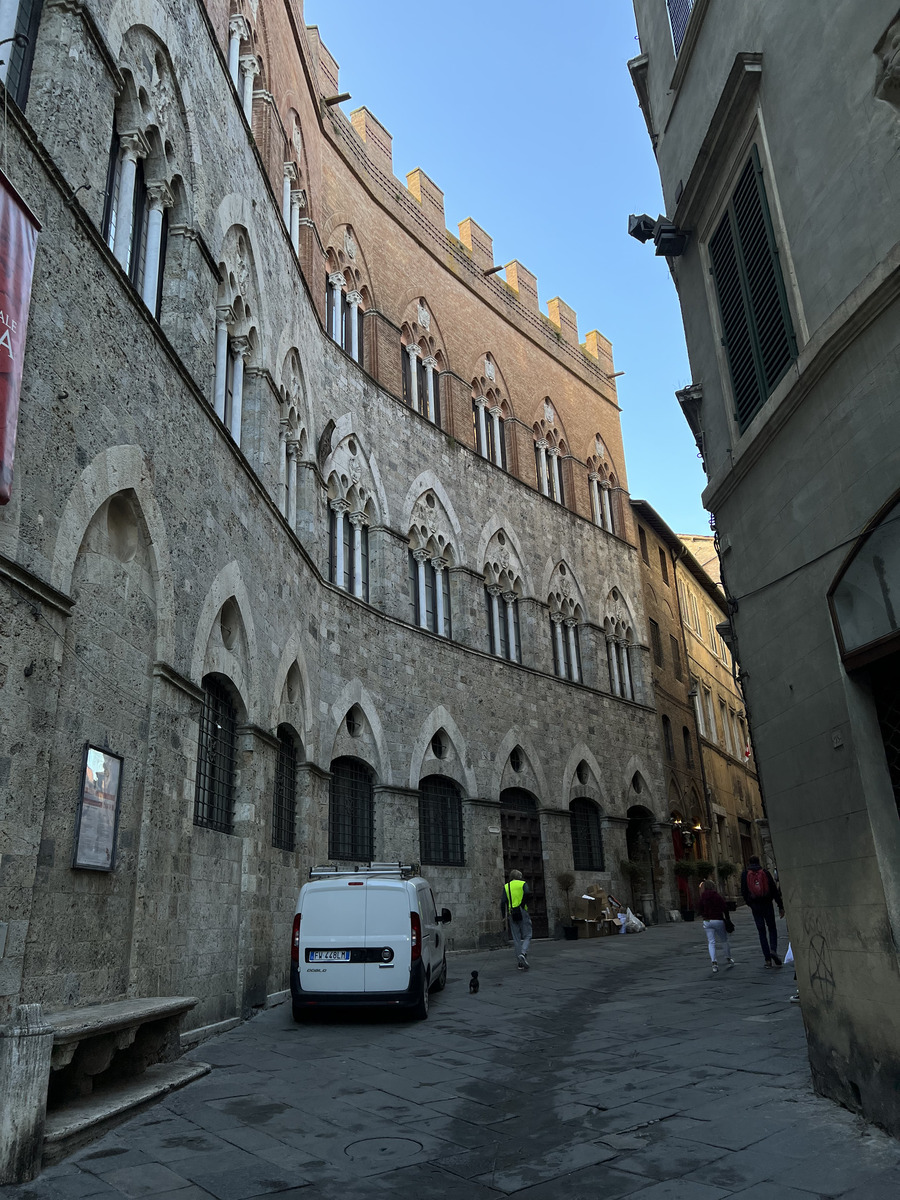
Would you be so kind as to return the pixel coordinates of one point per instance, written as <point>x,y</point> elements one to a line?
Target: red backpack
<point>758,883</point>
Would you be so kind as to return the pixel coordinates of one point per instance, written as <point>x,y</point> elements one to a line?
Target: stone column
<point>510,599</point>
<point>359,521</point>
<point>284,434</point>
<point>413,352</point>
<point>134,146</point>
<point>543,480</point>
<point>224,318</point>
<point>339,507</point>
<point>160,198</point>
<point>354,299</point>
<point>613,656</point>
<point>290,174</point>
<point>292,448</point>
<point>25,1050</point>
<point>249,71</point>
<point>429,365</point>
<point>607,507</point>
<point>557,618</point>
<point>240,349</point>
<point>439,564</point>
<point>573,650</point>
<point>495,593</point>
<point>238,31</point>
<point>481,404</point>
<point>297,203</point>
<point>625,669</point>
<point>421,557</point>
<point>597,511</point>
<point>336,283</point>
<point>557,490</point>
<point>498,448</point>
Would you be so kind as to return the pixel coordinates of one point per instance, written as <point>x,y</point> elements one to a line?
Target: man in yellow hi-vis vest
<point>515,893</point>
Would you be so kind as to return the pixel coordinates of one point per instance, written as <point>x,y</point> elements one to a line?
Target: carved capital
<point>293,447</point>
<point>336,280</point>
<point>249,64</point>
<point>541,443</point>
<point>495,590</point>
<point>438,564</point>
<point>557,617</point>
<point>238,28</point>
<point>224,314</point>
<point>359,520</point>
<point>339,505</point>
<point>481,401</point>
<point>134,144</point>
<point>240,347</point>
<point>413,350</point>
<point>290,170</point>
<point>298,198</point>
<point>496,411</point>
<point>510,597</point>
<point>354,299</point>
<point>420,556</point>
<point>430,361</point>
<point>571,622</point>
<point>160,195</point>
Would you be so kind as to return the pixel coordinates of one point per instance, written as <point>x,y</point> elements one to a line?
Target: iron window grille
<point>284,807</point>
<point>351,811</point>
<point>587,839</point>
<point>758,333</point>
<point>440,821</point>
<point>679,15</point>
<point>216,760</point>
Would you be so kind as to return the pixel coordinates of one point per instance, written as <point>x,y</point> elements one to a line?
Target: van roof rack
<point>401,870</point>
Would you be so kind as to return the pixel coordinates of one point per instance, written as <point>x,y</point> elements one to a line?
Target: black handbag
<point>729,924</point>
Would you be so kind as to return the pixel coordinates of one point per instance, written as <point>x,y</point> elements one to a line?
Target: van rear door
<point>388,936</point>
<point>332,936</point>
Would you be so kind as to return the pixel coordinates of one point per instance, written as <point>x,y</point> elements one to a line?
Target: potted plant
<point>727,870</point>
<point>566,881</point>
<point>704,868</point>
<point>635,874</point>
<point>685,868</point>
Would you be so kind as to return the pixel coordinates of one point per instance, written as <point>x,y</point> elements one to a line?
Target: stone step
<point>82,1121</point>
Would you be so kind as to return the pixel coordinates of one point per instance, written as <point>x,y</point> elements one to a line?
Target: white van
<point>367,936</point>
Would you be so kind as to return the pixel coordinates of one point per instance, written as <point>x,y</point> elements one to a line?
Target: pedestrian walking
<point>761,893</point>
<point>515,893</point>
<point>714,911</point>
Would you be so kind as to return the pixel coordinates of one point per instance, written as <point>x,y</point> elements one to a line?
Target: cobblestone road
<point>615,1067</point>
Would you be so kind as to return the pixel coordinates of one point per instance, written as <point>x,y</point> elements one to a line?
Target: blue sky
<point>524,114</point>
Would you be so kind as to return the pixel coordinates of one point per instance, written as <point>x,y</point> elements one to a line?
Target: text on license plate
<point>329,956</point>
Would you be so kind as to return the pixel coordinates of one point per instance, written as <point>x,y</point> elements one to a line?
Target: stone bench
<point>73,1072</point>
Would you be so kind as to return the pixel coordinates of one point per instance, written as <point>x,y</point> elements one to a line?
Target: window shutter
<point>364,546</point>
<point>756,322</point>
<point>332,544</point>
<point>163,245</point>
<point>407,382</point>
<point>430,614</point>
<point>413,588</point>
<point>422,389</point>
<point>504,628</point>
<point>21,58</point>
<point>579,674</point>
<point>556,663</point>
<point>503,449</point>
<point>135,264</point>
<point>111,198</point>
<point>518,655</point>
<point>360,336</point>
<point>490,620</point>
<point>347,535</point>
<point>437,396</point>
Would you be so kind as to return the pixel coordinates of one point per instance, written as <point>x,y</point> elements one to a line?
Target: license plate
<point>329,956</point>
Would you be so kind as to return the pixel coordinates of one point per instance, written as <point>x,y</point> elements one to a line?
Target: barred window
<point>216,759</point>
<point>284,808</point>
<point>351,811</point>
<point>587,840</point>
<point>440,821</point>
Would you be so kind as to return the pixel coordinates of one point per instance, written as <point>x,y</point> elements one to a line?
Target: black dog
<point>473,983</point>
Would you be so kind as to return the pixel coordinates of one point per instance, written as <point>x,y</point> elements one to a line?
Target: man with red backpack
<point>761,893</point>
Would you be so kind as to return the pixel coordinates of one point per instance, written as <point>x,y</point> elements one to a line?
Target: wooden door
<point>520,827</point>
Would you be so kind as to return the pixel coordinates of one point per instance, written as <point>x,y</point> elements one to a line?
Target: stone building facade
<point>712,789</point>
<point>316,524</point>
<point>776,137</point>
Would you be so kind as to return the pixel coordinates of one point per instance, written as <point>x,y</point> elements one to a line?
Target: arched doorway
<point>639,844</point>
<point>520,827</point>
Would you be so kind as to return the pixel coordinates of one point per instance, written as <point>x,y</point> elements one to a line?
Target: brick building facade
<point>319,527</point>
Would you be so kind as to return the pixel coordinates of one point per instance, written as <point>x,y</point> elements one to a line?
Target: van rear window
<point>334,910</point>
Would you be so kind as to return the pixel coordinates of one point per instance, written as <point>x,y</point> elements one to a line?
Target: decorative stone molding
<point>238,27</point>
<point>241,348</point>
<point>290,170</point>
<point>423,317</point>
<point>349,245</point>
<point>250,64</point>
<point>336,279</point>
<point>160,195</point>
<point>340,505</point>
<point>413,350</point>
<point>489,370</point>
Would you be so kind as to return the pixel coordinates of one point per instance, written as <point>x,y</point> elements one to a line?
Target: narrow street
<point>615,1067</point>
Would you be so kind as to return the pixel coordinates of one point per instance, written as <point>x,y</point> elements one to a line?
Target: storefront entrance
<point>520,827</point>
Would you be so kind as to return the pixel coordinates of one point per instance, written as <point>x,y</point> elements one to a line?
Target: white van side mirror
<point>445,917</point>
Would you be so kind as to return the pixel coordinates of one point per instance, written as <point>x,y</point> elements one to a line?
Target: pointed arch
<point>437,719</point>
<point>637,765</point>
<point>118,469</point>
<point>293,653</point>
<point>344,428</point>
<point>428,481</point>
<point>582,753</point>
<point>353,693</point>
<point>550,579</point>
<point>229,584</point>
<point>493,526</point>
<point>514,737</point>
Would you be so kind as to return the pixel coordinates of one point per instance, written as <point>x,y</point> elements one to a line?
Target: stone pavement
<point>615,1067</point>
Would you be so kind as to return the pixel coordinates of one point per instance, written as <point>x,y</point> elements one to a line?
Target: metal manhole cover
<point>383,1149</point>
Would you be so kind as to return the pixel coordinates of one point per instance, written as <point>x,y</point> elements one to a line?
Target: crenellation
<point>522,281</point>
<point>378,142</point>
<point>429,196</point>
<point>564,318</point>
<point>327,68</point>
<point>479,244</point>
<point>600,348</point>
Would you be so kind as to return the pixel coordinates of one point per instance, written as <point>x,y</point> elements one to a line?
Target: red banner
<point>18,239</point>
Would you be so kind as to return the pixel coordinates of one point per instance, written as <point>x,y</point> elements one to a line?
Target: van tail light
<point>416,946</point>
<point>295,941</point>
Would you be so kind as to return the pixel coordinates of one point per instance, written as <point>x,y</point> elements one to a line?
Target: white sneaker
<point>715,967</point>
<point>729,962</point>
<point>521,963</point>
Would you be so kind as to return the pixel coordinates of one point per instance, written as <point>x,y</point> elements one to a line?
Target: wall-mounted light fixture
<point>669,240</point>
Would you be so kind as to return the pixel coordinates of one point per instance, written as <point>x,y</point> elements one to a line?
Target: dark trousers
<point>764,916</point>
